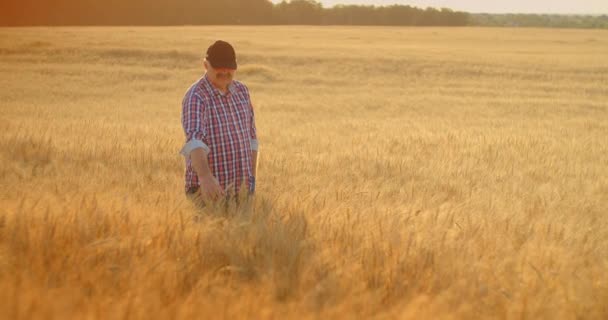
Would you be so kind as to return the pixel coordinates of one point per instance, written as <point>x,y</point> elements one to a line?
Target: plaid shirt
<point>224,126</point>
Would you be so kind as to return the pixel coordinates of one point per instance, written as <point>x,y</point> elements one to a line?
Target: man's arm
<point>253,136</point>
<point>210,187</point>
<point>200,163</point>
<point>254,147</point>
<point>253,141</point>
<point>195,128</point>
<point>254,162</point>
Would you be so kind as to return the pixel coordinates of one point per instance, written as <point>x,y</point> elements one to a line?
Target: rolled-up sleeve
<point>194,124</point>
<point>253,134</point>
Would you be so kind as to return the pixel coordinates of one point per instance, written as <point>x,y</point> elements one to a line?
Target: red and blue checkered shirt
<point>224,126</point>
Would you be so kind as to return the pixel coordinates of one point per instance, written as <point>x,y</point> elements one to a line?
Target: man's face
<point>219,77</point>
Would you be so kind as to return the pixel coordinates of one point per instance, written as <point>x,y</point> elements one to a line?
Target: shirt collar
<point>215,91</point>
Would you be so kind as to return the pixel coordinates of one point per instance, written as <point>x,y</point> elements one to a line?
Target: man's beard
<point>224,76</point>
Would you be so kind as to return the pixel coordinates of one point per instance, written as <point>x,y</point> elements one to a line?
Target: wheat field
<point>409,173</point>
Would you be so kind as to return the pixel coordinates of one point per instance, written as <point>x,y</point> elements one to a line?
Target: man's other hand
<point>210,188</point>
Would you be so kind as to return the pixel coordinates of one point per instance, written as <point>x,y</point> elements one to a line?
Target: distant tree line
<point>539,20</point>
<point>214,12</point>
<point>311,12</point>
<point>262,12</point>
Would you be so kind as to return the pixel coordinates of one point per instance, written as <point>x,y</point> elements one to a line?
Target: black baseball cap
<point>221,55</point>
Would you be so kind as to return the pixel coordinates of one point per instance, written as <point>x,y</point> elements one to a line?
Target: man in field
<point>221,148</point>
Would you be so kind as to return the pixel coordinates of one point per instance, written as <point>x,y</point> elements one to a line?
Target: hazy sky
<point>494,6</point>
